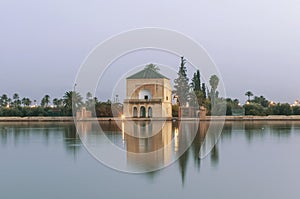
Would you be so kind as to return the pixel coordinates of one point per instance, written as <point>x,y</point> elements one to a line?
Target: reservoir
<point>49,160</point>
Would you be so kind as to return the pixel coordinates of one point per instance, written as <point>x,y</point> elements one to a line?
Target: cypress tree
<point>182,84</point>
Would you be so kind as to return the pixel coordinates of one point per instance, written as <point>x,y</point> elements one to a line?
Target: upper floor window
<point>145,94</point>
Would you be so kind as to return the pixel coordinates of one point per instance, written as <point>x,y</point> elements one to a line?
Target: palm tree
<point>72,100</point>
<point>249,94</point>
<point>35,104</point>
<point>45,101</point>
<point>26,101</point>
<point>89,95</point>
<point>56,102</point>
<point>16,98</point>
<point>60,102</point>
<point>89,103</point>
<point>4,100</point>
<point>152,67</point>
<point>23,101</point>
<point>8,101</point>
<point>214,82</point>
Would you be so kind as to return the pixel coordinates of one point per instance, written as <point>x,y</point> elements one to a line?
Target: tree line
<point>260,106</point>
<point>192,93</point>
<point>196,94</point>
<point>71,100</point>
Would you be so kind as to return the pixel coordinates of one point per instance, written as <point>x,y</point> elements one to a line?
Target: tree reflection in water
<point>72,142</point>
<point>28,132</point>
<point>12,133</point>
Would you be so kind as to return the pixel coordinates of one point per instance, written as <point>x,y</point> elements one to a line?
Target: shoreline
<point>207,118</point>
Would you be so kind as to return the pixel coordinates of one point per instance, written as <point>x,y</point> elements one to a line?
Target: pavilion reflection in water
<point>148,145</point>
<point>151,138</point>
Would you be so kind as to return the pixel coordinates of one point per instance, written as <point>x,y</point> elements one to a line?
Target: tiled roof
<point>147,73</point>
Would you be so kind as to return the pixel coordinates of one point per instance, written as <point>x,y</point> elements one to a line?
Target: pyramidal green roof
<point>147,73</point>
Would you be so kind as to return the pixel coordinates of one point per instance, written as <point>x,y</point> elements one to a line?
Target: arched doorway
<point>143,111</point>
<point>150,112</point>
<point>135,112</point>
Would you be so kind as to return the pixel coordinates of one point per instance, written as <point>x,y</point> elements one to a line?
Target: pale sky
<point>255,44</point>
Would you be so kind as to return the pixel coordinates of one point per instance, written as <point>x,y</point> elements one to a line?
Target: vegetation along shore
<point>193,93</point>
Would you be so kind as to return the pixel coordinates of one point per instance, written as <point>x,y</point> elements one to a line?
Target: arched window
<point>149,112</point>
<point>143,111</point>
<point>135,112</point>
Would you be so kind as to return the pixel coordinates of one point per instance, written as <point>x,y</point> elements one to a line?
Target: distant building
<point>148,94</point>
<point>296,103</point>
<point>83,114</point>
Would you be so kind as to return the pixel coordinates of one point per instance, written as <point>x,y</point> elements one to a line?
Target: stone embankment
<point>207,118</point>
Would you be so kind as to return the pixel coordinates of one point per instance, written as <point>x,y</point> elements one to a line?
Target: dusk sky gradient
<point>255,44</point>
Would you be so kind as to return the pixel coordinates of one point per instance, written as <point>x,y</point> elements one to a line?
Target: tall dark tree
<point>196,82</point>
<point>196,97</point>
<point>204,90</point>
<point>182,84</point>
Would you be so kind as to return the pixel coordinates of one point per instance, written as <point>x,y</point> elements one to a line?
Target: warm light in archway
<point>122,117</point>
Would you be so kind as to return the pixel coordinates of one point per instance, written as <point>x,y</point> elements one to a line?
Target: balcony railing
<point>143,100</point>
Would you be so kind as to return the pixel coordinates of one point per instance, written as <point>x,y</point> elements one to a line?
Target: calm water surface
<point>251,160</point>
